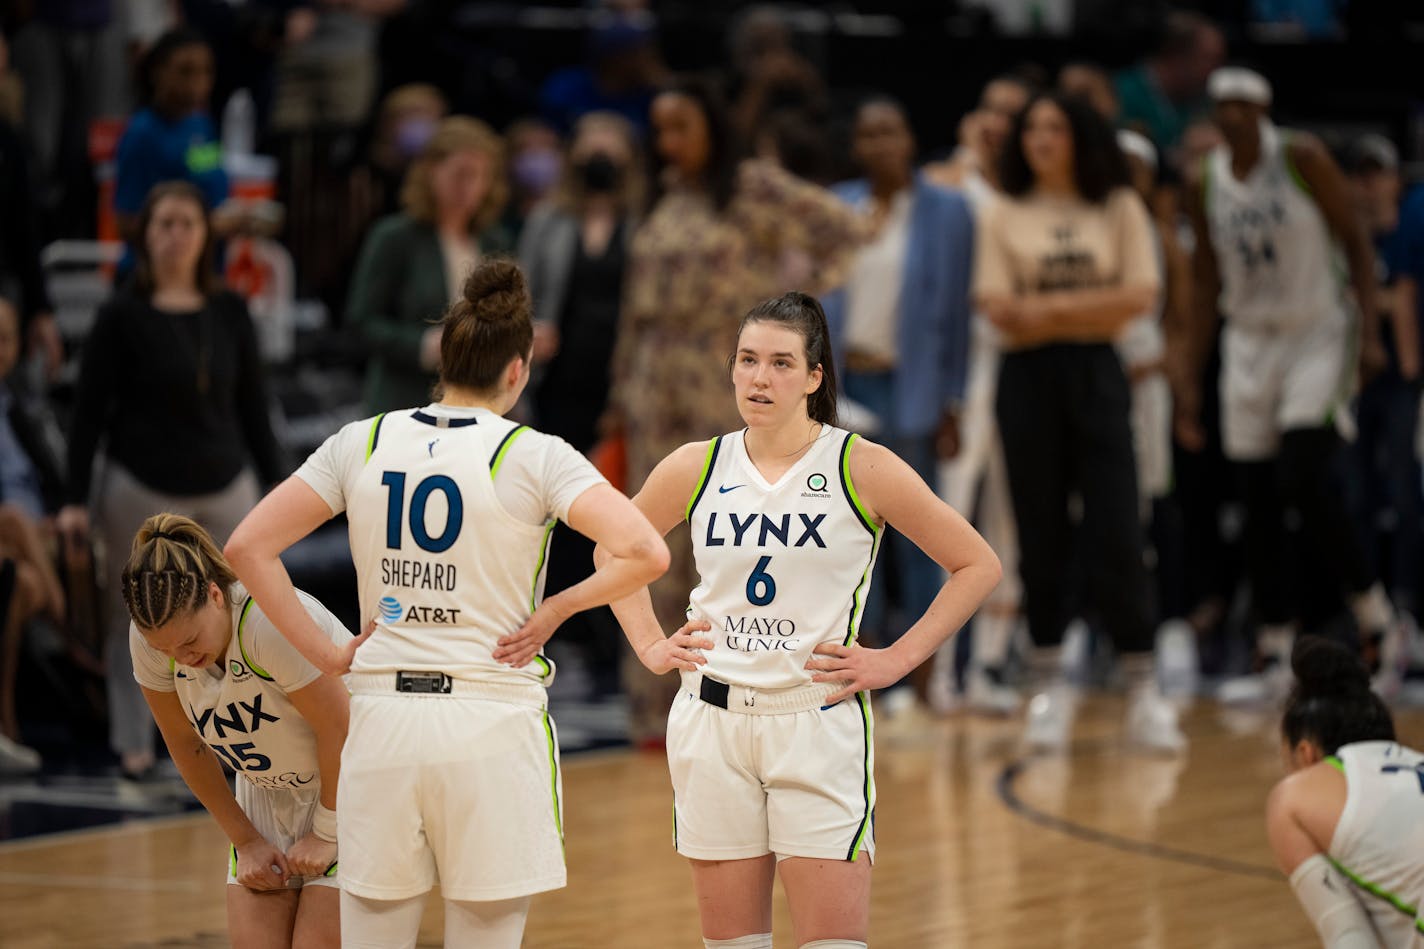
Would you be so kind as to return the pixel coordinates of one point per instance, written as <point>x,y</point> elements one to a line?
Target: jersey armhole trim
<point>849,487</point>
<point>713,448</point>
<point>1295,174</point>
<point>375,434</point>
<point>1335,763</point>
<point>257,670</point>
<point>1378,891</point>
<point>497,458</point>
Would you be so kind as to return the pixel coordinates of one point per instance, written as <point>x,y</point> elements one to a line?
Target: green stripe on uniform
<point>375,435</point>
<point>1376,890</point>
<point>503,448</point>
<point>852,623</point>
<point>712,448</point>
<point>869,785</point>
<point>1335,763</point>
<point>849,487</point>
<point>232,860</point>
<point>1295,174</point>
<point>330,871</point>
<point>539,566</point>
<point>257,670</point>
<point>554,774</point>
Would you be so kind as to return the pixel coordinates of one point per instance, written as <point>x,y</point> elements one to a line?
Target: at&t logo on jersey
<point>392,611</point>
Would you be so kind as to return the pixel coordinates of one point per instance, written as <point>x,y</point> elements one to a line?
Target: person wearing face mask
<point>408,118</point>
<point>413,264</point>
<point>536,165</point>
<point>172,354</point>
<point>575,250</point>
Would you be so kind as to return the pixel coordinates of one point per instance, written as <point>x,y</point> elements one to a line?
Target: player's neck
<point>457,398</point>
<point>778,447</point>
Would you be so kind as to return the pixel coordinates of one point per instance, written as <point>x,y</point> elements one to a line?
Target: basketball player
<point>223,683</point>
<point>769,740</point>
<point>1347,824</point>
<point>1268,214</point>
<point>451,767</point>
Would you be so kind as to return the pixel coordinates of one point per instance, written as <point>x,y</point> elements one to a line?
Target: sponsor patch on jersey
<point>239,671</point>
<point>816,486</point>
<point>390,609</point>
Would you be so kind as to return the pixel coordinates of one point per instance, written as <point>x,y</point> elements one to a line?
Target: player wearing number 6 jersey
<point>769,740</point>
<point>223,683</point>
<point>450,770</point>
<point>1347,825</point>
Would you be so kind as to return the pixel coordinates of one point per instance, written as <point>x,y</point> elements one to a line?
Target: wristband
<point>324,824</point>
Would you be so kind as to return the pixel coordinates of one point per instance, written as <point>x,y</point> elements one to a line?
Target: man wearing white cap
<point>1272,217</point>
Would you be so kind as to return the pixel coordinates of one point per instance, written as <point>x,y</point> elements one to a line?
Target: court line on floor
<point>1009,796</point>
<point>142,825</point>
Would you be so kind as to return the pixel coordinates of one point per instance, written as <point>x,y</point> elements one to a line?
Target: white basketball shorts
<point>282,816</point>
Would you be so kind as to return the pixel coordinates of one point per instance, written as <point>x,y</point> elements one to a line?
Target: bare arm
<point>1192,342</point>
<point>292,511</point>
<point>635,556</point>
<point>325,705</point>
<point>1327,187</point>
<point>205,778</point>
<point>663,501</point>
<point>893,493</point>
<point>1087,315</point>
<point>1405,321</point>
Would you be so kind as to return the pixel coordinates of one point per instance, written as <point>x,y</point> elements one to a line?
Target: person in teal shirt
<point>1163,94</point>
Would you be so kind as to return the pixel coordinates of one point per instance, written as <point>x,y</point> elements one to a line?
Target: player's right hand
<point>1186,417</point>
<point>255,862</point>
<point>681,650</point>
<point>342,656</point>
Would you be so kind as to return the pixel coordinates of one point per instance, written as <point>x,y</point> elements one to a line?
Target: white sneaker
<point>1267,687</point>
<point>1049,724</point>
<point>16,758</point>
<point>986,693</point>
<point>1152,722</point>
<point>1178,672</point>
<point>1394,650</point>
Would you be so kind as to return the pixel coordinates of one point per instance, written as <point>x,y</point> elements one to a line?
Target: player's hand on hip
<point>342,656</point>
<point>858,667</point>
<point>261,866</point>
<point>519,648</point>
<point>311,856</point>
<point>681,650</point>
<point>1374,359</point>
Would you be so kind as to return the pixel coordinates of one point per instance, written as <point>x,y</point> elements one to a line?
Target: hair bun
<point>495,291</point>
<point>1323,667</point>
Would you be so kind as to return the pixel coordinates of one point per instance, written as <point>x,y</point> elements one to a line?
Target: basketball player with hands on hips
<point>1347,823</point>
<point>223,683</point>
<point>770,739</point>
<point>450,770</point>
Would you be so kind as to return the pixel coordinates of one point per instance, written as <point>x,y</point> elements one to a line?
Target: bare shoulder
<point>1312,797</point>
<point>1305,145</point>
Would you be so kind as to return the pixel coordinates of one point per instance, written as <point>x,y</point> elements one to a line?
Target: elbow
<point>239,552</point>
<point>655,557</point>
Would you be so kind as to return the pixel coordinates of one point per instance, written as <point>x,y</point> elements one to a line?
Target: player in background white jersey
<point>450,770</point>
<point>1347,823</point>
<point>222,682</point>
<point>770,739</point>
<point>1268,214</point>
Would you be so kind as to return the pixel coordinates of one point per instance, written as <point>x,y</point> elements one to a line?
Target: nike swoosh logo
<point>724,489</point>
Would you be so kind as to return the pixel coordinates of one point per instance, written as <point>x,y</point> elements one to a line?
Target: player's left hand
<point>311,856</point>
<point>1374,359</point>
<point>858,667</point>
<point>519,648</point>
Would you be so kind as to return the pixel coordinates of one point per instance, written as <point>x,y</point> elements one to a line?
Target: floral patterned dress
<point>693,274</point>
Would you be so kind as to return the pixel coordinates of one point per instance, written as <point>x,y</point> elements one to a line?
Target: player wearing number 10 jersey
<point>450,770</point>
<point>769,741</point>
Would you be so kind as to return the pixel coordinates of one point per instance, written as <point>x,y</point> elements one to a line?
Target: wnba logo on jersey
<point>816,487</point>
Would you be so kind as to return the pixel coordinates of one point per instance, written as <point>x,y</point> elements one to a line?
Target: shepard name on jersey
<point>418,574</point>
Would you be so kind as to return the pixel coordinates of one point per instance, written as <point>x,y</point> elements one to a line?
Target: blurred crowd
<point>275,220</point>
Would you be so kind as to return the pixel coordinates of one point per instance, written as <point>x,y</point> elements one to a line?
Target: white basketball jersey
<point>442,565</point>
<point>1278,262</point>
<point>784,567</point>
<point>1379,841</point>
<point>244,714</point>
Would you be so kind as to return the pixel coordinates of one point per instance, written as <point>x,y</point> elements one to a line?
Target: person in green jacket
<point>413,263</point>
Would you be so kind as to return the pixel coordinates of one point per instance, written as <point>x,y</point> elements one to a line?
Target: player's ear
<point>1307,753</point>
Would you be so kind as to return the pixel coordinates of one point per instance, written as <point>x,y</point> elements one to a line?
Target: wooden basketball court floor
<point>978,847</point>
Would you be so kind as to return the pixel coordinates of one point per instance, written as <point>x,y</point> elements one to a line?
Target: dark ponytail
<point>1331,703</point>
<point>802,313</point>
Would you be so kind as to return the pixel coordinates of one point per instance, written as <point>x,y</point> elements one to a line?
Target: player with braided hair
<point>222,683</point>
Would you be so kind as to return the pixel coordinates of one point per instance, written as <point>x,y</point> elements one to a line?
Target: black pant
<point>1064,418</point>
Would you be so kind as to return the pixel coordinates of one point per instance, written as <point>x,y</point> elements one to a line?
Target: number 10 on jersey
<point>394,482</point>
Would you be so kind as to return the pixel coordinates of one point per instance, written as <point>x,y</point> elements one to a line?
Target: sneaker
<point>1266,687</point>
<point>986,692</point>
<point>1178,672</point>
<point>1393,651</point>
<point>1152,722</point>
<point>1075,655</point>
<point>16,758</point>
<point>1050,718</point>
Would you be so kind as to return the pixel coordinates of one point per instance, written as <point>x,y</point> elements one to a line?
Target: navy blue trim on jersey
<point>442,421</point>
<point>843,471</point>
<point>706,476</point>
<point>869,817</point>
